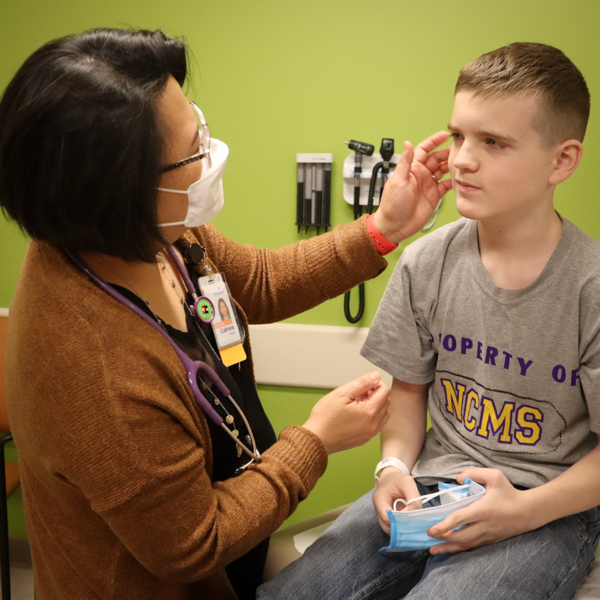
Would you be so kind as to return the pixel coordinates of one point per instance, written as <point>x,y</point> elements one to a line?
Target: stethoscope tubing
<point>181,270</point>
<point>191,367</point>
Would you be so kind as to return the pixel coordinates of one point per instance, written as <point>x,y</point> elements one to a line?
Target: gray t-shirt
<point>515,374</point>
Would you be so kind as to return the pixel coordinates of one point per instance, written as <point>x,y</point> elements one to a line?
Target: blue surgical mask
<point>409,528</point>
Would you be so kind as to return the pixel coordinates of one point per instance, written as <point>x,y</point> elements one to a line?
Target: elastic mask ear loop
<point>173,191</point>
<point>171,224</point>
<point>174,222</point>
<point>429,497</point>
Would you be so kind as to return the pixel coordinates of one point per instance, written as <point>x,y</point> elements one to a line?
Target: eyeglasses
<point>204,133</point>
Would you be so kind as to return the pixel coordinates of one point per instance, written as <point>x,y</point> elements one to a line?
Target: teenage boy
<point>493,324</point>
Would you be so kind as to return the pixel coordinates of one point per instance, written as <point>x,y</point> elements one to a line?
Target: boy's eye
<point>455,136</point>
<point>493,143</point>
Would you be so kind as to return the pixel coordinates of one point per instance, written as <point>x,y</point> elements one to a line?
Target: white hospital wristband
<point>391,461</point>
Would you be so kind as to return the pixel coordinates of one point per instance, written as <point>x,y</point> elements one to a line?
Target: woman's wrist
<point>384,246</point>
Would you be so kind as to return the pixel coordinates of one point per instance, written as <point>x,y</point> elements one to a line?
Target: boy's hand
<point>501,513</point>
<point>393,485</point>
<point>414,191</point>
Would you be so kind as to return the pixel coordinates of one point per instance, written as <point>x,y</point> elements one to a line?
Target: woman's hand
<point>352,414</point>
<point>393,484</point>
<point>503,512</point>
<point>414,191</point>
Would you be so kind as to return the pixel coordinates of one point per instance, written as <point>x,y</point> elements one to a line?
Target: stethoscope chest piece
<point>204,309</point>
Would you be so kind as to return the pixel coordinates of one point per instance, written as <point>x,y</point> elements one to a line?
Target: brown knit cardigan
<point>116,460</point>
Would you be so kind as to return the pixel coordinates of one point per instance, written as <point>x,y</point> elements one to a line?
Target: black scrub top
<point>199,343</point>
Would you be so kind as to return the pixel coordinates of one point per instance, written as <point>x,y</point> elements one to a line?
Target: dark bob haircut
<point>81,142</point>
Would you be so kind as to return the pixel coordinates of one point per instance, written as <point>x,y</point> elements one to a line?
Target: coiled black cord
<point>361,305</point>
<point>384,167</point>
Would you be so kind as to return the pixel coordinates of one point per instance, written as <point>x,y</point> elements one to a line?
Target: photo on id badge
<point>224,313</point>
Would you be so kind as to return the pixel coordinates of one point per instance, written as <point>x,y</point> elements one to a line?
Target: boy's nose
<point>464,158</point>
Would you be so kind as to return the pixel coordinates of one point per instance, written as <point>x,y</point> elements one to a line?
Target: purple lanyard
<point>191,366</point>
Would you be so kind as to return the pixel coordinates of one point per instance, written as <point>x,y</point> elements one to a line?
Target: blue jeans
<point>345,564</point>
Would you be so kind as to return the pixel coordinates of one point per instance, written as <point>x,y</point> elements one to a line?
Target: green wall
<point>276,78</point>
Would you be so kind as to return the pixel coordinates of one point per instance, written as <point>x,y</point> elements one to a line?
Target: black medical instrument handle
<point>307,212</point>
<point>386,151</point>
<point>384,175</point>
<point>378,167</point>
<point>361,305</point>
<point>319,210</point>
<point>327,198</point>
<point>357,173</point>
<point>208,410</point>
<point>299,205</point>
<point>300,196</point>
<point>357,208</point>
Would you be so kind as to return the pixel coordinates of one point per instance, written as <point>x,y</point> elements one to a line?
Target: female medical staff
<point>141,478</point>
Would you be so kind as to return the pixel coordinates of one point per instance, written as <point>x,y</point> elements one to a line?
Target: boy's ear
<point>566,158</point>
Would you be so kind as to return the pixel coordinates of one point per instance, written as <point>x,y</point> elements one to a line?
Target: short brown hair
<point>536,71</point>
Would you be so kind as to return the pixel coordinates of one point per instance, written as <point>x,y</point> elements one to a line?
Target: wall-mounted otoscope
<point>360,149</point>
<point>386,152</point>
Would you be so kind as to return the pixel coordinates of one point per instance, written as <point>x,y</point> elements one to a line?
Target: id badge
<point>229,335</point>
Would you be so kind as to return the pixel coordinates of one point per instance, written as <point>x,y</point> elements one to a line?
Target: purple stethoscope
<point>192,367</point>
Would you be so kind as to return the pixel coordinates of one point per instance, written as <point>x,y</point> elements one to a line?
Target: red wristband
<point>383,246</point>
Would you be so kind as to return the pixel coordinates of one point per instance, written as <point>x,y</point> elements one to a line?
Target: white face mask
<point>205,196</point>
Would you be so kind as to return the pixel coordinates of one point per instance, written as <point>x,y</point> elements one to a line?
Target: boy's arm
<point>505,511</point>
<point>402,437</point>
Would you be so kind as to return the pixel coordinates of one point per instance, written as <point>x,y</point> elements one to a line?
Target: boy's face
<point>499,168</point>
